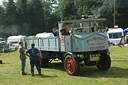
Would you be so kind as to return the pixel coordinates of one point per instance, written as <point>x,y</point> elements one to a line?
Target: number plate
<point>94,58</point>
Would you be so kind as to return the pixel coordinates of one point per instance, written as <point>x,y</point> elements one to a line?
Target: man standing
<point>34,60</point>
<point>22,57</point>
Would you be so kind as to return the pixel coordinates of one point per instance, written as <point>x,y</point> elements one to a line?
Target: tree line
<point>29,17</point>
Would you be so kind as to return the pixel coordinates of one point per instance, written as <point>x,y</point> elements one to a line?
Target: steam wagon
<point>87,41</point>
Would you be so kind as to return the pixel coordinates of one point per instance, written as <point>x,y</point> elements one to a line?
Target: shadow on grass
<point>120,60</point>
<point>93,72</point>
<point>58,66</point>
<point>5,63</point>
<point>48,76</point>
<point>42,76</point>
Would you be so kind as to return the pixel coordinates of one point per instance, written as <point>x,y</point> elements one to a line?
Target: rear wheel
<point>62,60</point>
<point>44,59</point>
<point>104,63</point>
<point>44,63</point>
<point>71,65</point>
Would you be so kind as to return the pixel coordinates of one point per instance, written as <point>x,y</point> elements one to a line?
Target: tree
<point>2,21</point>
<point>74,9</point>
<point>35,17</point>
<point>67,9</point>
<point>107,11</point>
<point>10,13</point>
<point>86,6</point>
<point>10,22</point>
<point>2,15</point>
<point>122,12</point>
<point>4,3</point>
<point>22,17</point>
<point>50,17</point>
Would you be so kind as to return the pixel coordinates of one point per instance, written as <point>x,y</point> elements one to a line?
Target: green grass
<point>55,74</point>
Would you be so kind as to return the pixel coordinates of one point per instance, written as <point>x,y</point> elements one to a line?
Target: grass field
<point>55,74</point>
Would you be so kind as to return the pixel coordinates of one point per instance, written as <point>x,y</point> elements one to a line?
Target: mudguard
<point>72,54</point>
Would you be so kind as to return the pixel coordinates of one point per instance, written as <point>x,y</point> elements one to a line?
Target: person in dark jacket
<point>63,32</point>
<point>34,59</point>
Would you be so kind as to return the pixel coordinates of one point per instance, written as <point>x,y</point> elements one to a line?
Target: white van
<point>115,35</point>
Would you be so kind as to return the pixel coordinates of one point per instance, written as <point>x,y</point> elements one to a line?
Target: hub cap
<point>70,65</point>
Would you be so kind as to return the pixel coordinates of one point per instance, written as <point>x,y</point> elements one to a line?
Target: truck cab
<point>85,35</point>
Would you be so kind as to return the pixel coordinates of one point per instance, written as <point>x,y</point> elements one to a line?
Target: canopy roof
<point>83,20</point>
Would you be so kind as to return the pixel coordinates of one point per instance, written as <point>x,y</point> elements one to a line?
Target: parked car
<point>0,49</point>
<point>5,48</point>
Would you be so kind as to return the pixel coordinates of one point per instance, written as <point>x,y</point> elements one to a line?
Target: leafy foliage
<point>22,16</point>
<point>2,15</point>
<point>29,17</point>
<point>35,17</point>
<point>107,11</point>
<point>122,12</point>
<point>74,9</point>
<point>11,12</point>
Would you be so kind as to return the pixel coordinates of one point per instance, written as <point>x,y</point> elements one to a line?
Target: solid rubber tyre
<point>104,63</point>
<point>71,65</point>
<point>44,63</point>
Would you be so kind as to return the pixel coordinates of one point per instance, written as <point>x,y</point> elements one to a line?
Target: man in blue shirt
<point>126,37</point>
<point>34,60</point>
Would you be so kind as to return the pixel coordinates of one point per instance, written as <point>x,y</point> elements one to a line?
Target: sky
<point>1,2</point>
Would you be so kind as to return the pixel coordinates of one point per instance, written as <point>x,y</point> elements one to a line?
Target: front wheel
<point>104,63</point>
<point>71,65</point>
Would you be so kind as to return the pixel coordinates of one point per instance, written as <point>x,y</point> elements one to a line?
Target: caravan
<point>115,35</point>
<point>14,40</point>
